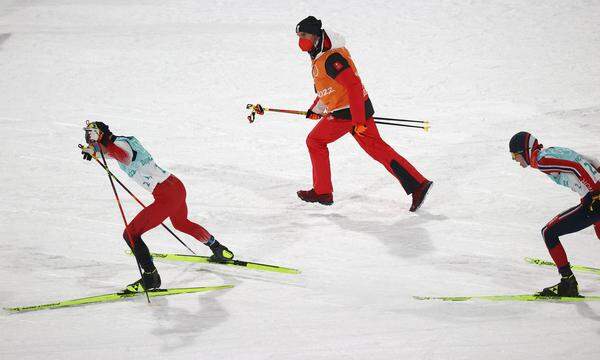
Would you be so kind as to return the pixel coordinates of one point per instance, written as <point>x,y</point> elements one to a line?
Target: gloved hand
<point>594,206</point>
<point>88,152</point>
<point>359,130</point>
<point>312,115</point>
<point>105,134</point>
<point>259,109</point>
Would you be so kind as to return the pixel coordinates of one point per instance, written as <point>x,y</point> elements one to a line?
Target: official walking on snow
<point>344,106</point>
<point>576,171</point>
<point>169,199</point>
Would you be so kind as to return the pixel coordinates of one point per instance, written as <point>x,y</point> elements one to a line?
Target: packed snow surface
<point>178,74</point>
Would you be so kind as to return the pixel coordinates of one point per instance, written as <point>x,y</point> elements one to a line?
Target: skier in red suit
<point>169,199</point>
<point>344,107</point>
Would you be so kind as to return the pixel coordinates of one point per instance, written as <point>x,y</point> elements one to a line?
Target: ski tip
<point>273,268</point>
<point>227,286</point>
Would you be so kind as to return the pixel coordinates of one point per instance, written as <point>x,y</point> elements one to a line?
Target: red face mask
<point>305,44</point>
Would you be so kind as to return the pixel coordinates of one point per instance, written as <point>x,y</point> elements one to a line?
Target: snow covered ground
<point>178,74</point>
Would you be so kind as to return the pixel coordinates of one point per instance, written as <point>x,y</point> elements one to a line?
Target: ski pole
<point>396,124</point>
<point>131,242</point>
<point>260,110</point>
<point>402,120</point>
<point>141,203</point>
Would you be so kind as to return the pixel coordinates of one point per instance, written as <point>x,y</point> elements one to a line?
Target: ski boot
<point>418,196</point>
<point>312,196</point>
<point>149,281</point>
<point>566,287</point>
<point>220,252</point>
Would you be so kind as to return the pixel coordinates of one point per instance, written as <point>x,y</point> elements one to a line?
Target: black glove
<point>107,136</point>
<point>88,152</point>
<point>312,115</point>
<point>594,205</point>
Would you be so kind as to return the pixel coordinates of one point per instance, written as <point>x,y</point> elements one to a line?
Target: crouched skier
<point>576,171</point>
<point>169,199</point>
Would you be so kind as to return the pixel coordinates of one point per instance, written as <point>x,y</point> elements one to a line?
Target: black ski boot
<point>566,287</point>
<point>418,196</point>
<point>220,252</point>
<point>149,281</point>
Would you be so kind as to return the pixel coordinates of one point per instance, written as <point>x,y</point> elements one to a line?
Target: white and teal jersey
<point>142,169</point>
<point>569,168</point>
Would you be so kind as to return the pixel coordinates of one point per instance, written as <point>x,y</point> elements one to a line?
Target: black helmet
<point>523,143</point>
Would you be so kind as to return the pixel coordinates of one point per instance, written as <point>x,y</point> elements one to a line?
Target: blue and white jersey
<point>569,168</point>
<point>142,169</point>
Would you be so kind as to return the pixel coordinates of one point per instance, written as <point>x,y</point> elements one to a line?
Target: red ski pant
<point>169,202</point>
<point>328,131</point>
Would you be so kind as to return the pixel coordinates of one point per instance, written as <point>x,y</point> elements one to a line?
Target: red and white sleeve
<point>120,151</point>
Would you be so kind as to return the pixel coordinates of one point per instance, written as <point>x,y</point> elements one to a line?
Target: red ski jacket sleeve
<point>118,153</point>
<point>354,87</point>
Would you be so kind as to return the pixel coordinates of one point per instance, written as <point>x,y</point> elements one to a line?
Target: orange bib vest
<point>331,93</point>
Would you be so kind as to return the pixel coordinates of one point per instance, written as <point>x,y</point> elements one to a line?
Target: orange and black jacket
<point>338,85</point>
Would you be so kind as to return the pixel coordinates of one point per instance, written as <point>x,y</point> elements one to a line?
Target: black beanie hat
<point>524,143</point>
<point>310,25</point>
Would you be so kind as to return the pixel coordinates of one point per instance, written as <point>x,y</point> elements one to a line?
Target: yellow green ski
<point>525,297</point>
<point>115,297</point>
<point>581,268</point>
<point>235,263</point>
